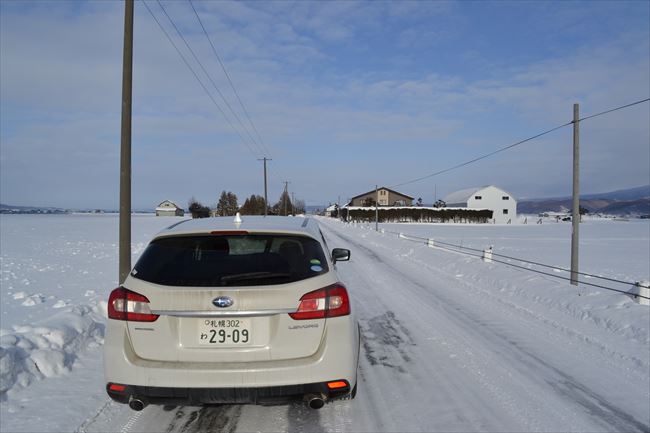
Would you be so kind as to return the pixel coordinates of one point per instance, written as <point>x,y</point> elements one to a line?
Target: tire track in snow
<point>606,414</point>
<point>91,420</point>
<point>126,428</point>
<point>220,418</point>
<point>424,396</point>
<point>384,335</point>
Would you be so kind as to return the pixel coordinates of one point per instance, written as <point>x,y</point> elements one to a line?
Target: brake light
<point>331,301</point>
<point>229,232</point>
<point>124,304</point>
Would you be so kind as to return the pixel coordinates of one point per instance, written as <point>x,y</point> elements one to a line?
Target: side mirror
<point>340,255</point>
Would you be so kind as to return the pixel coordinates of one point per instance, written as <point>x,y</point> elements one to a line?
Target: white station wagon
<point>223,311</point>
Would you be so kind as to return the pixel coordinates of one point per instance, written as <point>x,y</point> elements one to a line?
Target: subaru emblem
<point>222,302</point>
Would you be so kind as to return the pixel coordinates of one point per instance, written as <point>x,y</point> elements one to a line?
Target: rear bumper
<point>197,396</point>
<point>336,359</point>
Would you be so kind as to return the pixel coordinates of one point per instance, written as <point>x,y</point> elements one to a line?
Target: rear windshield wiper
<point>254,276</point>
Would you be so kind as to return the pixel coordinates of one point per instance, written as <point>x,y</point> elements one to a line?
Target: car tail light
<point>338,384</point>
<point>331,301</point>
<point>116,387</point>
<point>124,304</point>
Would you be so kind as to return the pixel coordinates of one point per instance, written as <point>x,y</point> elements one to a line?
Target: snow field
<point>617,249</point>
<point>537,352</point>
<point>450,343</point>
<point>57,271</point>
<point>29,353</point>
<point>617,313</point>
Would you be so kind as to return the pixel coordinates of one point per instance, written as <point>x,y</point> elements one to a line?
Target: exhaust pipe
<point>137,404</point>
<point>315,401</point>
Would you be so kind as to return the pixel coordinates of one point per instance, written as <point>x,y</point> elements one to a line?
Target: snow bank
<point>48,348</point>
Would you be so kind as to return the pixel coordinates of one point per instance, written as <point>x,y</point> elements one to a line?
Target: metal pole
<point>376,209</point>
<point>575,216</point>
<point>125,146</point>
<point>265,190</point>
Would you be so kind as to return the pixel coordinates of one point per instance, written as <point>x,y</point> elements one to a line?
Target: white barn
<point>502,204</point>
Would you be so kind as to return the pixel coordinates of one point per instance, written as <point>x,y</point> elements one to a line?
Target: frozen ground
<point>450,343</point>
<point>56,272</point>
<point>618,249</point>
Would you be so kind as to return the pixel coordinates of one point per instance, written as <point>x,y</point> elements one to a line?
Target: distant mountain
<point>313,208</point>
<point>633,201</point>
<point>10,209</point>
<point>622,194</point>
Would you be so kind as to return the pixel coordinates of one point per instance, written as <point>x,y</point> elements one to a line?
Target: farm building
<point>501,203</point>
<point>169,208</point>
<point>384,197</point>
<point>332,210</point>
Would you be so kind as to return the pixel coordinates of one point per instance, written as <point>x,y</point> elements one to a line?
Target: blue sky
<point>345,95</point>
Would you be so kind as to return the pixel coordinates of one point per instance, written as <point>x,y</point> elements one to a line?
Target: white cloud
<point>61,87</point>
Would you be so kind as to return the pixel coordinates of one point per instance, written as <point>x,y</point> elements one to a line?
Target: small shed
<point>169,208</point>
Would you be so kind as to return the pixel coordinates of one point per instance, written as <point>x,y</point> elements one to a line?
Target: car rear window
<point>230,260</point>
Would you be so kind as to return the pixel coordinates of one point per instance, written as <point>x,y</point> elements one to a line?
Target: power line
<point>516,144</point>
<point>209,76</point>
<point>529,269</point>
<point>482,157</point>
<point>197,77</point>
<point>214,50</point>
<point>615,109</point>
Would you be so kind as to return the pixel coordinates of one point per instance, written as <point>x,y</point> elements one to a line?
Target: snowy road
<point>446,353</point>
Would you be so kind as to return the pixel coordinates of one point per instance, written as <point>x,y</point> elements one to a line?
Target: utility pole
<point>125,146</point>
<point>575,215</point>
<point>338,207</point>
<point>286,196</point>
<point>293,205</point>
<point>376,209</point>
<point>266,201</point>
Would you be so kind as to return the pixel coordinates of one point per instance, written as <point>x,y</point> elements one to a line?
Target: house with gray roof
<point>169,208</point>
<point>502,204</point>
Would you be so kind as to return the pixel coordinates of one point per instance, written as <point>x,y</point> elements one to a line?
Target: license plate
<point>225,332</point>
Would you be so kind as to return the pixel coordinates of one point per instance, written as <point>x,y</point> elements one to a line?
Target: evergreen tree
<point>284,206</point>
<point>222,204</point>
<point>248,208</point>
<point>233,206</point>
<point>254,205</point>
<point>227,204</point>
